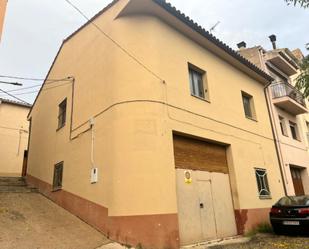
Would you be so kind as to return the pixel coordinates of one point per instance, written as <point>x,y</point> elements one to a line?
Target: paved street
<point>31,221</point>
<point>270,242</point>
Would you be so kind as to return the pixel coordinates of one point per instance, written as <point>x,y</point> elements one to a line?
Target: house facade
<point>162,136</point>
<point>3,4</point>
<point>288,111</point>
<point>13,137</point>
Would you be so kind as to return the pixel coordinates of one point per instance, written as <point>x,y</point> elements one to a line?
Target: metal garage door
<point>205,209</point>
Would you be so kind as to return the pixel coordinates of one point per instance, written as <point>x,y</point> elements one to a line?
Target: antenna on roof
<point>213,27</point>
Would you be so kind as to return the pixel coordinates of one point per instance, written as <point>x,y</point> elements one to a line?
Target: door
<point>25,163</point>
<point>206,208</point>
<point>204,201</point>
<point>297,181</point>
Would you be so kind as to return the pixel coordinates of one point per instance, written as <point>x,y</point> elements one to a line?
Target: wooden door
<point>297,181</point>
<point>25,162</point>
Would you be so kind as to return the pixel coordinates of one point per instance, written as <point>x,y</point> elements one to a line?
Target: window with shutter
<point>197,85</point>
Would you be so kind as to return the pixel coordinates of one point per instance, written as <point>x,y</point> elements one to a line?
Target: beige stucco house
<point>162,138</point>
<point>3,4</point>
<point>13,137</point>
<point>288,111</point>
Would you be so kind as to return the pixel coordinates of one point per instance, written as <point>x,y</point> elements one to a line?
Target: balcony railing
<point>282,89</point>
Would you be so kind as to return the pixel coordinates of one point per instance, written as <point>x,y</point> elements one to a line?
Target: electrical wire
<point>11,83</point>
<point>43,89</point>
<point>31,79</point>
<point>11,95</point>
<point>114,41</point>
<point>24,88</point>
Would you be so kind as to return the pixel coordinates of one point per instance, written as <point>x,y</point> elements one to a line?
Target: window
<point>283,126</point>
<point>262,183</point>
<point>57,181</point>
<point>294,130</point>
<point>248,105</point>
<point>197,85</point>
<point>62,113</point>
<point>307,133</point>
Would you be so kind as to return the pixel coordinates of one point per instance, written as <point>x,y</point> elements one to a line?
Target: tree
<point>302,82</point>
<point>302,3</point>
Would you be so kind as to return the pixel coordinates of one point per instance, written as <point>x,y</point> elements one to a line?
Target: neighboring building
<point>298,54</point>
<point>3,4</point>
<point>163,137</point>
<point>13,137</point>
<point>288,107</point>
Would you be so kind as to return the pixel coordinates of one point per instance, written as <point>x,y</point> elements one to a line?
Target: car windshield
<point>294,201</point>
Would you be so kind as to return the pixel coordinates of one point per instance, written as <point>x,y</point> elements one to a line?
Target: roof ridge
<point>9,101</point>
<point>198,28</point>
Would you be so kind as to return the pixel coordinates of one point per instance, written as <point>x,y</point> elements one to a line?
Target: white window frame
<point>252,114</point>
<point>197,78</point>
<point>283,127</point>
<point>262,183</point>
<point>294,125</point>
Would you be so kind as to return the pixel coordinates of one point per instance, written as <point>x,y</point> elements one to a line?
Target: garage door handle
<point>201,205</point>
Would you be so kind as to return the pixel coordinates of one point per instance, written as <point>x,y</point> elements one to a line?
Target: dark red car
<point>290,214</point>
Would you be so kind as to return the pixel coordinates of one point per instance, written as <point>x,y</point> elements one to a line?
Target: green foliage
<point>302,81</point>
<point>302,3</point>
<point>260,228</point>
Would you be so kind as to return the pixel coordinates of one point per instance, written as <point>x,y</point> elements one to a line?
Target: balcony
<point>281,61</point>
<point>288,98</point>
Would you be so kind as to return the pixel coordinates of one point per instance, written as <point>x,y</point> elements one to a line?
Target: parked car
<point>290,214</point>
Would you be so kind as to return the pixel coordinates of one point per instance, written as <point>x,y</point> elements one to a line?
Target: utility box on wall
<point>94,175</point>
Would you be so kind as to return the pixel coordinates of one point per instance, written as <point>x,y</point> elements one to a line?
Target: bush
<point>260,228</point>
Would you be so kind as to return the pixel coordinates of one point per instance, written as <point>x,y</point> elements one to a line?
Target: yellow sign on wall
<point>188,178</point>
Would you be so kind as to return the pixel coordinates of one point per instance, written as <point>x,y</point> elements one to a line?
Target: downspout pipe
<point>275,136</point>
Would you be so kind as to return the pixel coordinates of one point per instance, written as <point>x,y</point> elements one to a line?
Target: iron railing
<point>283,89</point>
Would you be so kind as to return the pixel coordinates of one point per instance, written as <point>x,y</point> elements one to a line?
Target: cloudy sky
<point>34,29</point>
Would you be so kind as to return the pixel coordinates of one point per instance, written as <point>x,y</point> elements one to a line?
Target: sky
<point>35,29</point>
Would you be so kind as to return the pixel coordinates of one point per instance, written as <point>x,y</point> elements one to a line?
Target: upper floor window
<point>262,183</point>
<point>62,113</point>
<point>283,126</point>
<point>197,85</point>
<point>294,130</point>
<point>307,133</point>
<point>248,105</point>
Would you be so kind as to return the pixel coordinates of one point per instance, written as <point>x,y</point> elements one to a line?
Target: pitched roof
<point>13,102</point>
<point>186,20</point>
<point>196,27</point>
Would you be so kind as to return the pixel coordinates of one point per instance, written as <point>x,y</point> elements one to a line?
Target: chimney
<point>273,40</point>
<point>242,45</point>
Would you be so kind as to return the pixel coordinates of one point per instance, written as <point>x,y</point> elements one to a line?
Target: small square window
<point>197,85</point>
<point>294,130</point>
<point>262,183</point>
<point>283,126</point>
<point>58,172</point>
<point>62,114</point>
<point>248,105</point>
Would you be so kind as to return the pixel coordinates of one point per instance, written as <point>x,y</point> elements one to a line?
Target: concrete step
<point>12,181</point>
<point>15,185</point>
<point>17,189</point>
